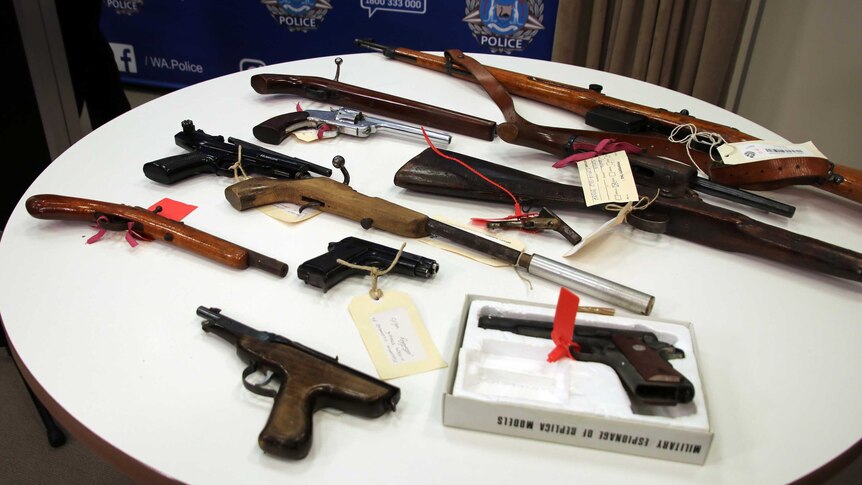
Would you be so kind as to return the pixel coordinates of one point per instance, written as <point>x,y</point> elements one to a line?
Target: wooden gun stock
<point>329,91</point>
<point>566,96</point>
<point>152,226</point>
<point>688,217</point>
<point>329,196</point>
<point>801,171</point>
<point>309,384</point>
<point>851,185</point>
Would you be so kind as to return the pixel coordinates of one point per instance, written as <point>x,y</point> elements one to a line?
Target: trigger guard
<point>652,222</point>
<point>299,126</point>
<point>259,389</point>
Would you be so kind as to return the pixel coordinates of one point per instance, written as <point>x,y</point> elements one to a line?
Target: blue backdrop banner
<point>173,44</point>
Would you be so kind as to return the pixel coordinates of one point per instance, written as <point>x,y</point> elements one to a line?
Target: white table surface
<point>110,332</point>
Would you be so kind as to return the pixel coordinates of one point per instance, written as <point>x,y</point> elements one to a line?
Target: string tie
<point>237,167</point>
<point>687,133</point>
<point>586,151</point>
<point>640,205</point>
<point>375,292</point>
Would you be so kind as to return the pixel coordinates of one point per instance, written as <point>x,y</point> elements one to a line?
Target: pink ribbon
<point>131,235</point>
<point>607,145</point>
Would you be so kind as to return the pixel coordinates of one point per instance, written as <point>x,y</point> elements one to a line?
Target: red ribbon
<point>564,326</point>
<point>607,145</point>
<point>518,212</point>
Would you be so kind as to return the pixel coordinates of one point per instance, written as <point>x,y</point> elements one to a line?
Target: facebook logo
<point>124,56</point>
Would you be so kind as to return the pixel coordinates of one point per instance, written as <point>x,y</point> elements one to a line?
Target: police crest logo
<point>124,7</point>
<point>298,15</point>
<point>504,26</point>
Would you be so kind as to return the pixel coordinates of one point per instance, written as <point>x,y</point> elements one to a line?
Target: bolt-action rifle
<point>628,119</point>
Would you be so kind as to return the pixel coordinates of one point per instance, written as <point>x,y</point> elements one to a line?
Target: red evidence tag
<point>173,209</point>
<point>564,326</point>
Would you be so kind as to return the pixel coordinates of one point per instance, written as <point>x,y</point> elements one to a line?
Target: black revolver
<point>640,359</point>
<point>325,271</point>
<point>309,380</point>
<point>211,154</point>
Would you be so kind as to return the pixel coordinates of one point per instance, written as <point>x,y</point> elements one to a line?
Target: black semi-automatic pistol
<point>639,358</point>
<point>212,154</point>
<point>325,271</point>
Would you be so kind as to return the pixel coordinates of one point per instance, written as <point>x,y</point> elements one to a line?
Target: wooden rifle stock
<point>329,91</point>
<point>151,226</point>
<point>687,217</point>
<point>566,96</point>
<point>768,175</point>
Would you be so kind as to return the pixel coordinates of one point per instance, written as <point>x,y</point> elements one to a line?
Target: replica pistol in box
<point>633,387</point>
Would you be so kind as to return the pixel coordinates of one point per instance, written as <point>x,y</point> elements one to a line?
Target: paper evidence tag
<point>607,179</point>
<point>469,253</point>
<point>757,150</point>
<point>394,335</point>
<point>287,212</point>
<point>604,229</point>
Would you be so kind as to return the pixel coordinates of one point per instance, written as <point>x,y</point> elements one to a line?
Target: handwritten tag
<point>757,150</point>
<point>469,253</point>
<point>394,335</point>
<point>607,179</point>
<point>604,229</point>
<point>287,212</point>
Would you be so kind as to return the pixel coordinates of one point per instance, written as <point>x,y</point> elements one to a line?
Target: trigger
<point>653,222</point>
<point>259,388</point>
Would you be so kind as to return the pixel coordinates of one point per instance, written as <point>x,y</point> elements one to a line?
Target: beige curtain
<point>689,46</point>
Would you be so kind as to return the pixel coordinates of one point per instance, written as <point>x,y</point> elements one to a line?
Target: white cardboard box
<point>593,410</point>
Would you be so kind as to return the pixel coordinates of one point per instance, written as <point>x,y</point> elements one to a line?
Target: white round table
<point>108,334</point>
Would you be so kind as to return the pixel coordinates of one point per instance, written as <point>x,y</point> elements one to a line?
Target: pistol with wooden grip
<point>330,196</point>
<point>686,217</point>
<point>308,381</point>
<point>150,225</point>
<point>328,124</point>
<point>639,358</point>
<point>381,104</point>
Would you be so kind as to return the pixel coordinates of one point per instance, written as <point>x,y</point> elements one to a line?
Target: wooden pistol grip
<point>152,225</point>
<point>310,383</point>
<point>334,197</point>
<point>851,185</point>
<point>277,128</point>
